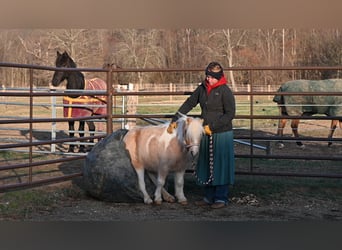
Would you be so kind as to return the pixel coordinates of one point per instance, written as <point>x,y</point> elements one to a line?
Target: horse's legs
<point>280,131</point>
<point>179,185</point>
<point>91,127</point>
<point>141,182</point>
<point>294,126</point>
<point>81,133</point>
<point>332,130</point>
<point>71,135</point>
<point>166,195</point>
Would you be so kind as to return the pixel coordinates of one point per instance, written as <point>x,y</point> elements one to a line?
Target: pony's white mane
<point>194,129</point>
<point>180,128</point>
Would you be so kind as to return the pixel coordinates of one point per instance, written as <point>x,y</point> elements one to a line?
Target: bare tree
<point>321,48</point>
<point>86,46</point>
<point>178,48</point>
<point>220,46</point>
<point>230,46</point>
<point>139,49</point>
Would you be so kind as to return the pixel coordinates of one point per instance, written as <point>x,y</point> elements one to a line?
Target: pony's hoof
<point>148,201</point>
<point>183,203</point>
<point>281,145</point>
<point>301,146</point>
<point>158,203</point>
<point>170,199</point>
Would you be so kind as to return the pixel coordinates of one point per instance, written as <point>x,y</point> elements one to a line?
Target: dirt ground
<point>287,202</point>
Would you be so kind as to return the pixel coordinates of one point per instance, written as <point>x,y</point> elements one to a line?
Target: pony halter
<point>188,146</point>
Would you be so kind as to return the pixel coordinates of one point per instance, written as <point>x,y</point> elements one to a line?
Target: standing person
<point>216,164</point>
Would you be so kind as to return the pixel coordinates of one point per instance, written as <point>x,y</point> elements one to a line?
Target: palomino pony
<point>308,105</point>
<point>154,149</point>
<point>88,105</point>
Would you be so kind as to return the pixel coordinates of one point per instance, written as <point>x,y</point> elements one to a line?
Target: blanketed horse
<point>307,105</point>
<point>153,149</point>
<point>79,106</point>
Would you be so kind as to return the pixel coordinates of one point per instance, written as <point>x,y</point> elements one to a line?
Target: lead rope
<point>211,164</point>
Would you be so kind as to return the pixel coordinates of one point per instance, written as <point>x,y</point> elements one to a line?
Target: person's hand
<point>171,127</point>
<point>207,130</point>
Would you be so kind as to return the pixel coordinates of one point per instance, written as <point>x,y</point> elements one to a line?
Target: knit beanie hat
<point>214,69</point>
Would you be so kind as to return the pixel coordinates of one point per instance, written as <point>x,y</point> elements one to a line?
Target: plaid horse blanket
<point>296,105</point>
<point>89,105</point>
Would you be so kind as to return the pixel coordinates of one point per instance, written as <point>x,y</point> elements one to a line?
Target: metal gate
<point>34,143</point>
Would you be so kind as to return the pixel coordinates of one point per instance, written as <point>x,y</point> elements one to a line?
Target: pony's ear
<point>58,53</point>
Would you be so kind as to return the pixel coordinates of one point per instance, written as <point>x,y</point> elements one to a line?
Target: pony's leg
<point>160,184</point>
<point>280,131</point>
<point>179,186</point>
<point>165,194</point>
<point>71,135</point>
<point>294,126</point>
<point>333,127</point>
<point>81,128</point>
<point>141,182</point>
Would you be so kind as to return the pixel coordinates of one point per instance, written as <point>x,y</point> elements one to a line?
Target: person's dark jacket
<point>218,108</point>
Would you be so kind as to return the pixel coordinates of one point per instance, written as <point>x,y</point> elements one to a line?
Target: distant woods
<point>179,48</point>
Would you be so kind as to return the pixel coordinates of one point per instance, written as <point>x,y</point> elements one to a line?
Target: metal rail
<point>111,94</point>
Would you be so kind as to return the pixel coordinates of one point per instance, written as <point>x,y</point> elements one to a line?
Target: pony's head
<point>62,61</point>
<point>190,130</point>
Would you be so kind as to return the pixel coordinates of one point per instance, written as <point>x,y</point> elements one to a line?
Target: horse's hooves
<point>301,146</point>
<point>329,144</point>
<point>82,150</point>
<point>281,145</point>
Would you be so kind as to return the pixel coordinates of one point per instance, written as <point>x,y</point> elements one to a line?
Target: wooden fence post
<point>132,102</point>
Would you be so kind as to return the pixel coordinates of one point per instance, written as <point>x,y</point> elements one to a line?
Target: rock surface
<point>108,173</point>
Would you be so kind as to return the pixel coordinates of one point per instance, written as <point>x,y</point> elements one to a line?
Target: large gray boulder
<point>108,173</point>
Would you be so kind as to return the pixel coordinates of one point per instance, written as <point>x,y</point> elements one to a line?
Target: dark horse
<point>308,105</point>
<point>88,105</point>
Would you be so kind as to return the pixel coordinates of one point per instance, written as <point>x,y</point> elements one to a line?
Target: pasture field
<point>252,197</point>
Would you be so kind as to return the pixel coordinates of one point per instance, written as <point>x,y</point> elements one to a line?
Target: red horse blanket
<point>89,105</point>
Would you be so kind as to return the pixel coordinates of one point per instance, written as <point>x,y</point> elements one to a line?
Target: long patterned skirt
<point>223,158</point>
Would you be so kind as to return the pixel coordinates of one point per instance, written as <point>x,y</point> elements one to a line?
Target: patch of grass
<point>19,205</point>
<point>11,155</point>
<point>290,166</point>
<point>279,188</point>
